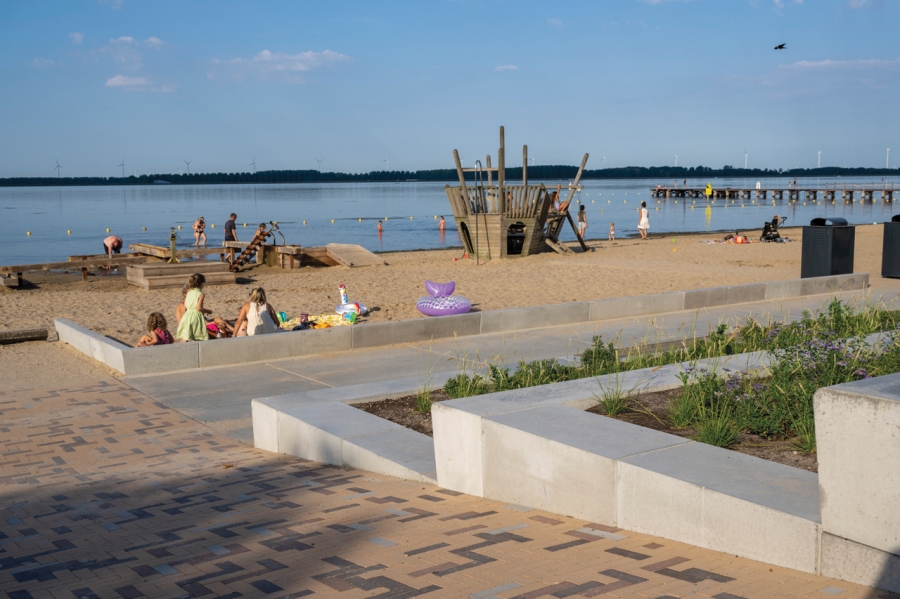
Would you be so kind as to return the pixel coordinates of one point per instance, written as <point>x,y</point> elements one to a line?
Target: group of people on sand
<point>197,322</point>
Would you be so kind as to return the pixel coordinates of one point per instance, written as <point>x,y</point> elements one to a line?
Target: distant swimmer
<point>442,225</point>
<point>112,244</point>
<point>380,229</point>
<point>780,47</point>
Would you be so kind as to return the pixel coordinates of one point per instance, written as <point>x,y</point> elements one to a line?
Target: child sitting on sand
<point>192,326</point>
<point>612,231</point>
<point>157,331</point>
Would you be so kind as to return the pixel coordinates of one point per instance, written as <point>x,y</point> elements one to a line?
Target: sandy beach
<point>109,305</point>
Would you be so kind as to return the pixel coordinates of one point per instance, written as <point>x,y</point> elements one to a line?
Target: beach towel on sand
<point>192,326</point>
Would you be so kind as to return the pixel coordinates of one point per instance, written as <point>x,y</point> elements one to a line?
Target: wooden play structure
<point>505,220</point>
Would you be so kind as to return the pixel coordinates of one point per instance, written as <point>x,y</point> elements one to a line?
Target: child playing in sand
<point>157,331</point>
<point>612,231</point>
<point>193,326</point>
<point>218,327</point>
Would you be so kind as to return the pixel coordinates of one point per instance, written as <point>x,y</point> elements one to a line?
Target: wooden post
<point>462,181</point>
<point>490,174</point>
<point>84,273</point>
<point>524,165</point>
<point>501,173</point>
<point>577,178</point>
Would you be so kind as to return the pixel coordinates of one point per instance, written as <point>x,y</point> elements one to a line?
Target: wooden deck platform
<point>352,255</point>
<point>160,275</point>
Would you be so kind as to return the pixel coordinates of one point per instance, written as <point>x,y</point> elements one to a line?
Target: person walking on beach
<point>644,222</point>
<point>442,225</point>
<point>199,226</point>
<point>582,222</point>
<point>612,231</point>
<point>112,244</point>
<point>230,228</point>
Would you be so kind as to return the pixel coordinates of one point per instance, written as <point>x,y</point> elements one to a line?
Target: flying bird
<point>780,47</point>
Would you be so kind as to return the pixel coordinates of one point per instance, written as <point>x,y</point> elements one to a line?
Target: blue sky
<point>90,82</point>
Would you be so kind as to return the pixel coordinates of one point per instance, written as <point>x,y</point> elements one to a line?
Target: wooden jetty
<point>295,256</point>
<point>847,193</point>
<point>508,220</point>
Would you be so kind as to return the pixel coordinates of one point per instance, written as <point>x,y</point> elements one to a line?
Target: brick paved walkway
<point>108,494</point>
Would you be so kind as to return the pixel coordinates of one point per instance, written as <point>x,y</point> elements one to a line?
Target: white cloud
<point>507,67</point>
<point>124,81</point>
<point>555,23</point>
<point>77,38</point>
<point>138,84</point>
<point>825,64</point>
<point>154,42</point>
<point>277,65</point>
<point>43,63</point>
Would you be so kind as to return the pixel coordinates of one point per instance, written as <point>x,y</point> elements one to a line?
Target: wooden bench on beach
<point>160,275</point>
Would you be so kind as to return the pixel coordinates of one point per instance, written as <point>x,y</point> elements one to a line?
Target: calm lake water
<point>145,214</point>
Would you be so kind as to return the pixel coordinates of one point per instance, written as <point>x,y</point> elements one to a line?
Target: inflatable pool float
<point>352,307</point>
<point>441,301</point>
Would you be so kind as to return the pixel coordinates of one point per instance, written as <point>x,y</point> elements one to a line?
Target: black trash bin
<point>827,248</point>
<point>890,250</point>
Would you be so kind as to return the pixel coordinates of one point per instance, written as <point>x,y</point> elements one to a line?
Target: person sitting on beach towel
<point>157,332</point>
<point>257,316</point>
<point>192,326</point>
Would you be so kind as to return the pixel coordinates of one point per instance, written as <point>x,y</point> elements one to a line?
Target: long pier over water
<point>847,192</point>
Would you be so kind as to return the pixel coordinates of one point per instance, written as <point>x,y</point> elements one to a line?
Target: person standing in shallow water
<point>582,222</point>
<point>442,225</point>
<point>380,229</point>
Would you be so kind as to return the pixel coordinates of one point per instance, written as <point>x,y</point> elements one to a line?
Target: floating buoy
<point>145,228</point>
<point>332,221</point>
<point>179,227</point>
<point>69,232</point>
<point>360,220</point>
<point>410,218</point>
<point>213,225</point>
<point>107,229</point>
<point>245,224</point>
<point>28,233</point>
<point>304,222</point>
<point>386,218</point>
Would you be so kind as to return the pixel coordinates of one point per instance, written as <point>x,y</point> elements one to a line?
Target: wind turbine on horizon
<point>604,162</point>
<point>253,164</point>
<point>320,161</point>
<point>122,164</point>
<point>188,164</point>
<point>676,159</point>
<point>819,161</point>
<point>58,167</point>
<point>887,159</point>
<point>387,163</point>
<point>745,159</point>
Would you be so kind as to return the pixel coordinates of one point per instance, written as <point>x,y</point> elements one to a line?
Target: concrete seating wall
<point>223,352</point>
<point>858,437</point>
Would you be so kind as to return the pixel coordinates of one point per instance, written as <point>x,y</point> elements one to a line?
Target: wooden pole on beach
<point>501,174</point>
<point>524,165</point>
<point>577,178</point>
<point>490,173</point>
<point>462,180</point>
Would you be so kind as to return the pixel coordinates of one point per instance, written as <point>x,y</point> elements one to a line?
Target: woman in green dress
<point>193,326</point>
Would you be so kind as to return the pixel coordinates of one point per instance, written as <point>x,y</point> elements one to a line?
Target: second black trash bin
<point>890,250</point>
<point>827,248</point>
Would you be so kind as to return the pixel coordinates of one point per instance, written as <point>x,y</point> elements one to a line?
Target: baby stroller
<point>770,229</point>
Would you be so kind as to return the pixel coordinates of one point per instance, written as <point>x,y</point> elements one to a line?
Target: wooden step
<point>169,281</point>
<point>352,255</point>
<point>186,268</point>
<point>559,248</point>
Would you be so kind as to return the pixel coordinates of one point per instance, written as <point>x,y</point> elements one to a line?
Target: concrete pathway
<point>221,396</point>
<point>107,495</point>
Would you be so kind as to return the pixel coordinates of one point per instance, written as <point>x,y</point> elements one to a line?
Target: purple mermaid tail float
<point>441,302</point>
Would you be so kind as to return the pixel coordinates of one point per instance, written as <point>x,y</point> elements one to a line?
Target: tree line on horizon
<point>513,175</point>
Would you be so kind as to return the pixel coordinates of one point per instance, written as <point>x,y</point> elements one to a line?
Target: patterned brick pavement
<point>108,494</point>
